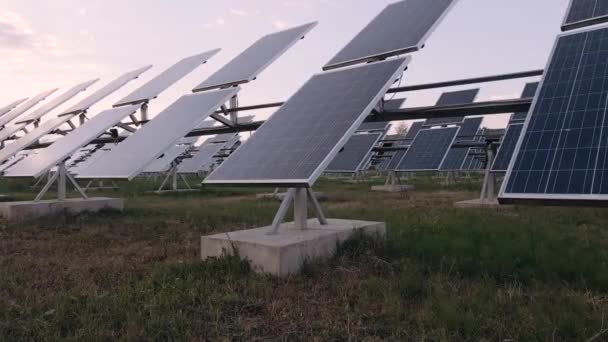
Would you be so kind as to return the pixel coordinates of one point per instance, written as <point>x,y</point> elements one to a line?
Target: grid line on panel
<point>429,149</point>
<point>583,13</point>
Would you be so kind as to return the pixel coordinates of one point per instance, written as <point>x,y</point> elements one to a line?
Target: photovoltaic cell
<point>469,128</point>
<point>104,92</point>
<point>529,92</point>
<point>400,28</point>
<point>129,158</point>
<point>5,119</point>
<point>160,83</point>
<point>201,160</point>
<point>355,153</point>
<point>455,159</point>
<point>583,13</point>
<point>251,62</point>
<point>163,163</point>
<point>56,102</point>
<point>429,149</point>
<point>64,147</point>
<point>507,147</point>
<point>451,99</point>
<point>11,106</point>
<point>297,143</point>
<point>562,154</point>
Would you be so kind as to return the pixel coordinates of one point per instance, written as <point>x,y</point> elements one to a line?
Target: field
<point>444,274</point>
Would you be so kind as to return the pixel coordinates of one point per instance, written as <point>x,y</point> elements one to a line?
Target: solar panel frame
<point>11,106</point>
<point>548,198</point>
<point>12,115</point>
<point>444,149</point>
<point>100,94</point>
<point>592,20</point>
<point>339,61</point>
<point>56,102</point>
<point>507,148</point>
<point>151,89</point>
<point>229,75</point>
<point>315,168</point>
<point>62,148</point>
<point>129,158</point>
<point>362,149</point>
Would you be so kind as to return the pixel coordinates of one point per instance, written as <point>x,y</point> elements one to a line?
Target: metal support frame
<point>174,177</point>
<point>144,112</point>
<point>488,189</point>
<point>301,198</point>
<point>62,176</point>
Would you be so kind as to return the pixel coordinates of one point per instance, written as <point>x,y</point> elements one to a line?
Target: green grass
<point>443,274</point>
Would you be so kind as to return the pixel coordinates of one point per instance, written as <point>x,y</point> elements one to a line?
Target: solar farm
<point>346,214</point>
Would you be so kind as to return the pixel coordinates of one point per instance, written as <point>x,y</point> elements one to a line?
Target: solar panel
<point>104,92</point>
<point>507,147</point>
<point>429,149</point>
<point>64,147</point>
<point>201,160</point>
<point>355,153</point>
<point>529,92</point>
<point>11,106</point>
<point>394,104</point>
<point>93,157</point>
<point>562,153</point>
<point>374,126</point>
<point>583,13</point>
<point>455,159</point>
<point>413,130</point>
<point>56,102</point>
<point>130,157</point>
<point>33,136</point>
<point>400,28</point>
<point>251,62</point>
<point>163,163</point>
<point>160,83</point>
<point>5,119</point>
<point>450,99</point>
<point>473,161</point>
<point>300,139</point>
<point>469,128</point>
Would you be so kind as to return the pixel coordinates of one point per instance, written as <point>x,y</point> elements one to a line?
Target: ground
<point>443,274</point>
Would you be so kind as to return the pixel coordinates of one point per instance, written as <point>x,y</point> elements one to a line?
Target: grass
<point>443,274</point>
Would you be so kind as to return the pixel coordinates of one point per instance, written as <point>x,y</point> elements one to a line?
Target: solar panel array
<point>130,157</point>
<point>202,160</point>
<point>56,102</point>
<point>400,28</point>
<point>64,147</point>
<point>451,99</point>
<point>412,132</point>
<point>251,62</point>
<point>163,163</point>
<point>474,159</point>
<point>583,13</point>
<point>29,104</point>
<point>456,156</point>
<point>529,92</point>
<point>429,149</point>
<point>104,92</point>
<point>374,126</point>
<point>167,78</point>
<point>355,154</point>
<point>563,152</point>
<point>11,106</point>
<point>507,147</point>
<point>297,143</point>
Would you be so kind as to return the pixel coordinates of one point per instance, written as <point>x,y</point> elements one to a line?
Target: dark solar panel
<point>455,159</point>
<point>374,126</point>
<point>297,143</point>
<point>469,128</point>
<point>563,152</point>
<point>507,147</point>
<point>529,91</point>
<point>583,13</point>
<point>355,154</point>
<point>449,99</point>
<point>473,161</point>
<point>401,27</point>
<point>413,130</point>
<point>429,149</point>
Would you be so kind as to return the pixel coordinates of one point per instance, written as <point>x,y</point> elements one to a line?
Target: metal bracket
<point>61,176</point>
<point>488,192</point>
<point>222,120</point>
<point>174,177</point>
<point>300,197</point>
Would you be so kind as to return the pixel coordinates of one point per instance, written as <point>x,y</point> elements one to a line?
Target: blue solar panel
<point>583,13</point>
<point>507,148</point>
<point>529,91</point>
<point>449,99</point>
<point>473,161</point>
<point>355,154</point>
<point>429,149</point>
<point>469,128</point>
<point>412,132</point>
<point>563,152</point>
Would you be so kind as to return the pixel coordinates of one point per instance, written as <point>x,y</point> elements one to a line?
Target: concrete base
<point>321,197</point>
<point>29,210</point>
<point>393,188</point>
<point>284,253</point>
<point>169,192</point>
<point>479,204</point>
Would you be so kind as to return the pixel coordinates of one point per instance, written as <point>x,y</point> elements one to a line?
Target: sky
<point>48,44</point>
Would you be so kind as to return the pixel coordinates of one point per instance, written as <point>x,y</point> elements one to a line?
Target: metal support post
<point>300,198</point>
<point>62,176</point>
<point>488,188</point>
<point>234,104</point>
<point>144,112</point>
<point>316,207</point>
<point>282,212</point>
<point>300,209</point>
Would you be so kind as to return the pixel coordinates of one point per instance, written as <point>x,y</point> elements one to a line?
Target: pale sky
<point>47,44</point>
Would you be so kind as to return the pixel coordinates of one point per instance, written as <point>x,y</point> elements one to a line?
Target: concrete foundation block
<point>29,210</point>
<point>321,197</point>
<point>285,253</point>
<point>393,188</point>
<point>479,204</point>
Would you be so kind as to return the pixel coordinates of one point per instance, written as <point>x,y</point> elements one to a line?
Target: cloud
<point>240,13</point>
<point>17,35</point>
<point>220,21</point>
<point>280,24</point>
